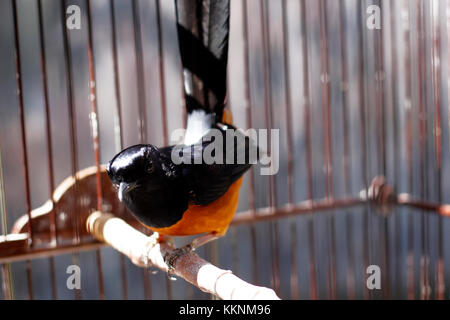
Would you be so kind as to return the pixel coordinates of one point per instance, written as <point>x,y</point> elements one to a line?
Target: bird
<point>191,197</point>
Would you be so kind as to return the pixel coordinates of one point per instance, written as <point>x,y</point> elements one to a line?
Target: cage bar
<point>392,79</point>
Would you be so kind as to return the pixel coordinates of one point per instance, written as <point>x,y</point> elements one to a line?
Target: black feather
<point>203,32</point>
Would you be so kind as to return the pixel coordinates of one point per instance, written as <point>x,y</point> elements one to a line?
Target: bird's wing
<point>209,181</point>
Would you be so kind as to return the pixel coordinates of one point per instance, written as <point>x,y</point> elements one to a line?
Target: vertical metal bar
<point>347,152</point>
<point>396,141</point>
<point>163,100</point>
<point>161,73</point>
<point>422,132</point>
<point>327,148</point>
<point>147,284</point>
<point>265,43</point>
<point>140,83</point>
<point>234,240</point>
<point>53,280</point>
<point>3,214</point>
<point>268,106</point>
<point>290,158</point>
<point>435,31</point>
<point>434,150</point>
<point>306,95</point>
<point>22,122</point>
<point>140,78</point>
<point>235,251</point>
<point>247,99</point>
<point>408,104</point>
<point>345,99</point>
<point>7,280</point>
<point>169,289</point>
<point>182,101</point>
<point>23,142</point>
<point>123,274</point>
<point>100,274</point>
<point>307,124</point>
<point>431,170</point>
<point>118,129</point>
<point>248,119</point>
<point>381,102</point>
<point>273,236</point>
<point>29,280</point>
<point>287,97</point>
<point>72,134</point>
<point>254,254</point>
<point>52,215</point>
<point>446,35</point>
<point>325,99</point>
<point>95,137</point>
<point>72,120</point>
<point>364,158</point>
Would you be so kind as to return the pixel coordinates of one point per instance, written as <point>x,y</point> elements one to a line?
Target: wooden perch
<point>146,251</point>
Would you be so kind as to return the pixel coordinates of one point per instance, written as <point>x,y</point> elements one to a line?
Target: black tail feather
<point>203,31</point>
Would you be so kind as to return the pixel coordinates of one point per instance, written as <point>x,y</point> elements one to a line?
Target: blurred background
<point>351,103</point>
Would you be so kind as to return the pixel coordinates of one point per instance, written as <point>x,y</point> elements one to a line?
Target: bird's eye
<point>118,179</point>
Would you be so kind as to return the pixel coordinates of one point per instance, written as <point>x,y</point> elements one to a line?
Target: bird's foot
<point>171,257</point>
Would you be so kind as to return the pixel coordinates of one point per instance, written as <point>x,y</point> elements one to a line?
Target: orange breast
<point>214,217</point>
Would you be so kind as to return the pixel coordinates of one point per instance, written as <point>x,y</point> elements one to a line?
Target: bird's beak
<point>124,188</point>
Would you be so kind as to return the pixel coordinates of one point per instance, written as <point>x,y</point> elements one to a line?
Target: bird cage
<point>357,91</point>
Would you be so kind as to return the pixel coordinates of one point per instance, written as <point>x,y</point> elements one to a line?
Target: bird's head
<point>133,165</point>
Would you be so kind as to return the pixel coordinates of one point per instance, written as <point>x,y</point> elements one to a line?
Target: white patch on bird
<point>198,124</point>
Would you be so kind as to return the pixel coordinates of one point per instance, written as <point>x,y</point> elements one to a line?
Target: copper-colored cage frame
<point>351,104</point>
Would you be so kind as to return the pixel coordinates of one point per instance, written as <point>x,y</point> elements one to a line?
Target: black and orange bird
<point>192,197</point>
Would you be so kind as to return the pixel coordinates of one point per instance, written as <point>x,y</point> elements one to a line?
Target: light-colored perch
<point>145,251</point>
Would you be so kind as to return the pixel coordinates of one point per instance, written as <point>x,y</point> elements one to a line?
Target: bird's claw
<point>171,257</point>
